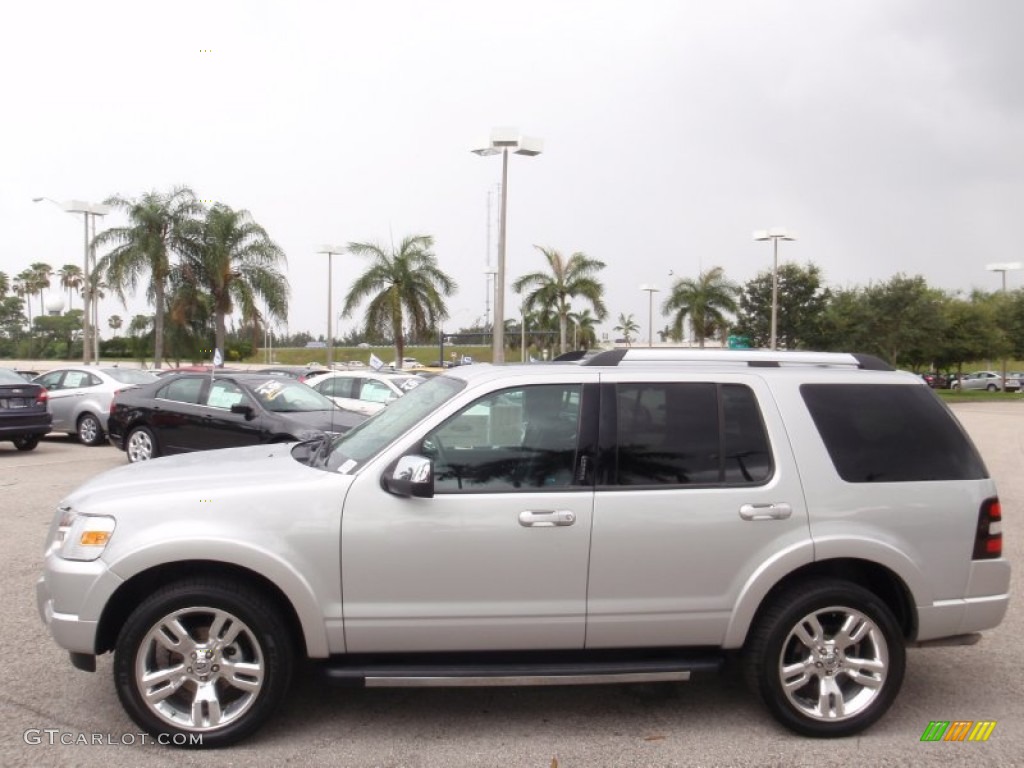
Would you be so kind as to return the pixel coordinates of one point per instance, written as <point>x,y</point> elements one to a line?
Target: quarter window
<point>886,433</point>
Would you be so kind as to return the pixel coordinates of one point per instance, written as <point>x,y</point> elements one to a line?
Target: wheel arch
<point>131,592</point>
<point>875,577</point>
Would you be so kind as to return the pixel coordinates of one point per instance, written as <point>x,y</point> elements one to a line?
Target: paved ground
<point>714,723</point>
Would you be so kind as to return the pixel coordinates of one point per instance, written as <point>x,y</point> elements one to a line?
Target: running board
<point>531,674</point>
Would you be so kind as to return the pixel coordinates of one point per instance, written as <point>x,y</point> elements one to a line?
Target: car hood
<point>220,474</point>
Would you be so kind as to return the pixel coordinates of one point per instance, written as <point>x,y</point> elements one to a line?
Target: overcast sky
<point>888,134</point>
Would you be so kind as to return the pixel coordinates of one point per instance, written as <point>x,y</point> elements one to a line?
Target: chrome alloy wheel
<point>833,664</point>
<point>140,446</point>
<point>199,669</point>
<point>88,429</point>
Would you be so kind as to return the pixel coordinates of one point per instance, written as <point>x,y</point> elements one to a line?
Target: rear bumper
<point>988,597</point>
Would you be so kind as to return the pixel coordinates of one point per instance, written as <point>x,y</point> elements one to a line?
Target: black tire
<point>822,674</point>
<point>141,445</point>
<point>26,442</point>
<point>90,431</point>
<point>241,697</point>
<point>992,388</point>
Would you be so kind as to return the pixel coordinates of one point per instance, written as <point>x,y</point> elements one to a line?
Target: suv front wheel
<point>827,659</point>
<point>203,662</point>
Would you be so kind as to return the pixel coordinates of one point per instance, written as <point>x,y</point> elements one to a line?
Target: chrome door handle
<point>765,511</point>
<point>546,518</point>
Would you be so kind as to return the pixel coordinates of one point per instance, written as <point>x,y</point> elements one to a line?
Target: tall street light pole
<point>651,290</point>
<point>88,325</point>
<point>502,140</point>
<point>775,234</point>
<point>1003,268</point>
<point>330,250</point>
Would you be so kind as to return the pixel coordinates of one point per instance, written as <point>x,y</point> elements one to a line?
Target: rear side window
<point>890,433</point>
<point>183,390</point>
<point>689,434</point>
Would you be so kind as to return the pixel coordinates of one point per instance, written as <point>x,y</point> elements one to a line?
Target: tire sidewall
<point>246,606</point>
<point>794,607</point>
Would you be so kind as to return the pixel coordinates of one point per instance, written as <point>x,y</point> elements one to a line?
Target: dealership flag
<point>375,362</point>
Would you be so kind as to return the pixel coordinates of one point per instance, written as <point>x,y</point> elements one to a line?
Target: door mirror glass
<point>412,476</point>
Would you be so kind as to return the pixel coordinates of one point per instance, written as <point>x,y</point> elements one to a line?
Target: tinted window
<point>689,434</point>
<point>339,386</point>
<point>890,433</point>
<point>50,380</point>
<point>184,389</point>
<point>516,439</point>
<point>283,395</point>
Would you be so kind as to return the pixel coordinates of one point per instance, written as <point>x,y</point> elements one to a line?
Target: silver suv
<point>644,516</point>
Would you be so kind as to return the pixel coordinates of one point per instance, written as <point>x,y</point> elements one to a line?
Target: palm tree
<point>400,284</point>
<point>586,329</point>
<point>233,258</point>
<point>704,300</point>
<point>627,327</point>
<point>71,279</point>
<point>115,322</point>
<point>5,284</point>
<point>40,281</point>
<point>24,288</point>
<point>568,279</point>
<point>158,225</point>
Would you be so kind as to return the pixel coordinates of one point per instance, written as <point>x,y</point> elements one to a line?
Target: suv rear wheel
<point>827,659</point>
<point>203,658</point>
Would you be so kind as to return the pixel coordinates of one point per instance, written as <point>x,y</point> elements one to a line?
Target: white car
<point>363,391</point>
<point>407,362</point>
<point>80,397</point>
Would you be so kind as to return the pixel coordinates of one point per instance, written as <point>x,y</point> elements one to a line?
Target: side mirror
<point>412,476</point>
<point>242,408</point>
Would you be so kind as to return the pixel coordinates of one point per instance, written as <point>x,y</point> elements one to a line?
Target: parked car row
<point>987,380</point>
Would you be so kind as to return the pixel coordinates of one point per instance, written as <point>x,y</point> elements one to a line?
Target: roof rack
<point>754,358</point>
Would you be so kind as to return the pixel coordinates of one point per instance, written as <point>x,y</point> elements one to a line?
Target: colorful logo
<point>958,730</point>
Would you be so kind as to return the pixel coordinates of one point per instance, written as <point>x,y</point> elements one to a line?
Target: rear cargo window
<point>890,433</point>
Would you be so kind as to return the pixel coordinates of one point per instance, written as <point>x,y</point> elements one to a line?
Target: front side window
<point>521,439</point>
<point>337,386</point>
<point>682,433</point>
<point>224,394</point>
<point>283,395</point>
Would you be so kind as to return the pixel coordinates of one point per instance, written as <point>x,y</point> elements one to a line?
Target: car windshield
<point>369,438</point>
<point>283,395</point>
<point>129,376</point>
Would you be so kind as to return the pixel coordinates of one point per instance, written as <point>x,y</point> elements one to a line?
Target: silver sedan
<point>80,397</point>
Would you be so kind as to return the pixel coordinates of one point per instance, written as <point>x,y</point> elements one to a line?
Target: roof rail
<point>754,358</point>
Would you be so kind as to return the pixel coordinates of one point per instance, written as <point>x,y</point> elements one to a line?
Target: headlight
<point>81,537</point>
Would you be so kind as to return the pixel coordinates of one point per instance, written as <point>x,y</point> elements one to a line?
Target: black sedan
<point>197,412</point>
<point>24,417</point>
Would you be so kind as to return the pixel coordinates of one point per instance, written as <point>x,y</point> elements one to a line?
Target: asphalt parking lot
<point>43,699</point>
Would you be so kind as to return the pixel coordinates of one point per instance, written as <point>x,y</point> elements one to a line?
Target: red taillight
<point>988,541</point>
<point>42,397</point>
<point>112,399</point>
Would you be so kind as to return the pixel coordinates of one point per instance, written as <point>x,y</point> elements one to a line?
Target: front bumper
<point>70,597</point>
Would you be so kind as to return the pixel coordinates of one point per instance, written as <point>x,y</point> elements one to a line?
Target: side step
<point>387,674</point>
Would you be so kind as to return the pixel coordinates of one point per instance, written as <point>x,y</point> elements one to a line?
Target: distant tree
<point>115,322</point>
<point>568,278</point>
<point>24,288</point>
<point>405,288</point>
<point>971,332</point>
<point>41,273</point>
<point>5,285</point>
<point>705,300</point>
<point>801,303</point>
<point>628,327</point>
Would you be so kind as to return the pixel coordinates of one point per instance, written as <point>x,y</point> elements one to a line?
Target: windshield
<point>129,376</point>
<point>283,395</point>
<point>369,438</point>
